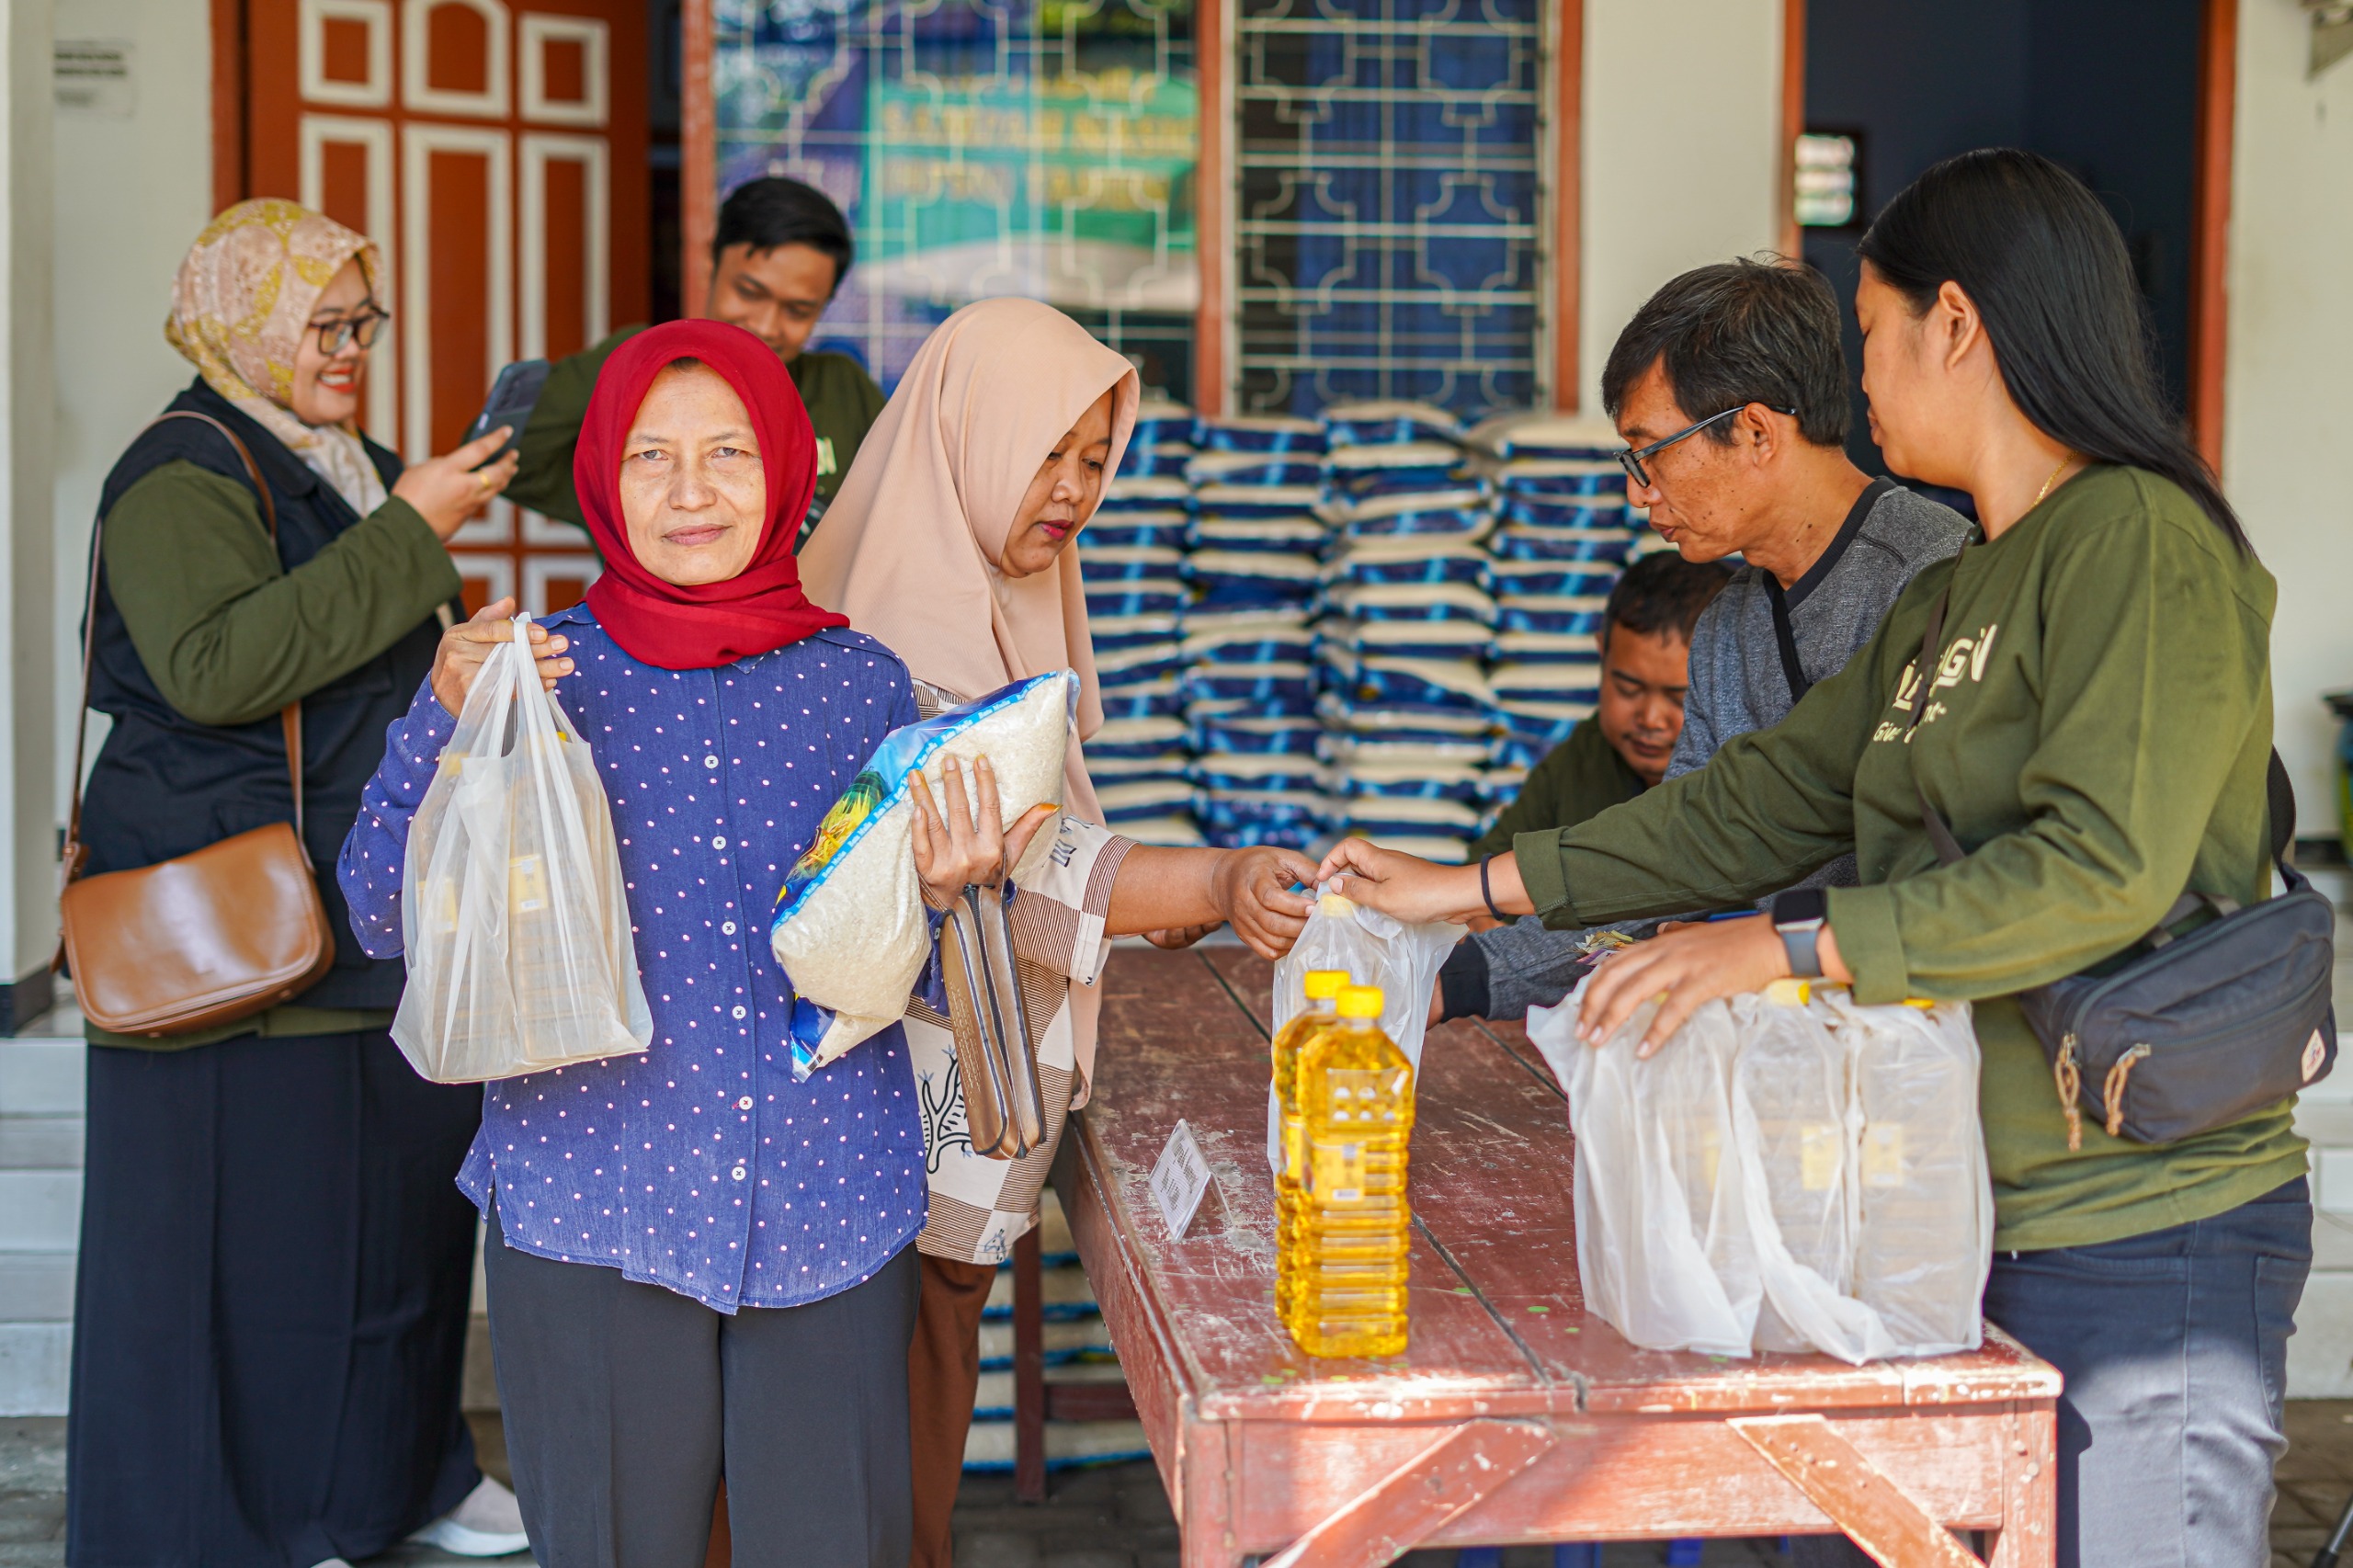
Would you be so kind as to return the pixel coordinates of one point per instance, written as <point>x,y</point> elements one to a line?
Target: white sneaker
<point>489,1523</point>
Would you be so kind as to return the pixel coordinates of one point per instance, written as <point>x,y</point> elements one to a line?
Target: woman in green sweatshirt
<point>2095,731</point>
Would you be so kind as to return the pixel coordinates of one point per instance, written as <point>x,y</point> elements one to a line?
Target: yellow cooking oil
<point>1322,987</point>
<point>1349,1255</point>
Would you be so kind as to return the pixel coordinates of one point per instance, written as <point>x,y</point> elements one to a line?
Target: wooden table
<point>1514,1416</point>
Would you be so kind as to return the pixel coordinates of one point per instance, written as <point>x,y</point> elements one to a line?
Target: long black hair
<point>2044,265</point>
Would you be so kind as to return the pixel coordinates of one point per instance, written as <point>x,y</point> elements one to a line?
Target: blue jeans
<point>2175,1348</point>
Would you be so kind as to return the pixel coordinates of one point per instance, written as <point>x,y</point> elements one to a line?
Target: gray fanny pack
<point>2219,1011</point>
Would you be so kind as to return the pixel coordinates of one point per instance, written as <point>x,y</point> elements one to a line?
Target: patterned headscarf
<point>240,306</point>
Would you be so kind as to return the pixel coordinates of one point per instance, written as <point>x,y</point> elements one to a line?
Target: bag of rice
<point>850,928</point>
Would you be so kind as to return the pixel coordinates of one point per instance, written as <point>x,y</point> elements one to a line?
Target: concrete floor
<point>1117,1517</point>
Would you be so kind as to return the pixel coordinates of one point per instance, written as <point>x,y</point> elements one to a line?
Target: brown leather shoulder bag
<point>212,937</point>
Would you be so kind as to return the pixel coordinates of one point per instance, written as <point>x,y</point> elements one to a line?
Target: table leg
<point>2030,1534</point>
<point>1876,1514</point>
<point>1405,1506</point>
<point>1029,1371</point>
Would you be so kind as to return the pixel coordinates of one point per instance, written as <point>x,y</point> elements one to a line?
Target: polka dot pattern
<point>700,1164</point>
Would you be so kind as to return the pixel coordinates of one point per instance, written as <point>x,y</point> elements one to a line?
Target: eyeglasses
<point>1632,459</point>
<point>366,325</point>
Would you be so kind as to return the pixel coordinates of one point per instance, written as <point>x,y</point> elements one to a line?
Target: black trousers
<point>270,1320</point>
<point>626,1402</point>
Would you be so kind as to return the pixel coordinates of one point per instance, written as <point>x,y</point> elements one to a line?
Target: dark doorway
<point>2110,88</point>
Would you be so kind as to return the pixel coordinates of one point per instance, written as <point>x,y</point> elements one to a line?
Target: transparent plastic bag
<point>1795,1122</point>
<point>1925,1197</point>
<point>1375,949</point>
<point>1791,1171</point>
<point>1663,1246</point>
<point>513,912</point>
<point>850,928</point>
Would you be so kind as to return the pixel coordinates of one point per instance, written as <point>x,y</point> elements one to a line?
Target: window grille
<point>1390,203</point>
<point>1037,147</point>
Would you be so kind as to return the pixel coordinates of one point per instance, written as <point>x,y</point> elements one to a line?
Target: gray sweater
<point>1738,683</point>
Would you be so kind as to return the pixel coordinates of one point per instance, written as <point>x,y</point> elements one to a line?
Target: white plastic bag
<point>1925,1197</point>
<point>1664,1248</point>
<point>1375,949</point>
<point>513,911</point>
<point>849,926</point>
<point>1795,1123</point>
<point>1820,1164</point>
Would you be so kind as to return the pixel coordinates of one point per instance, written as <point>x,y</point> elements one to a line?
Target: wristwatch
<point>1798,915</point>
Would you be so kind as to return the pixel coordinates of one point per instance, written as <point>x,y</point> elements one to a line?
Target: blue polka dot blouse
<point>699,1166</point>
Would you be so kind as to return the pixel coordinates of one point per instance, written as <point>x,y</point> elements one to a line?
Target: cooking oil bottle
<point>1322,987</point>
<point>1348,1255</point>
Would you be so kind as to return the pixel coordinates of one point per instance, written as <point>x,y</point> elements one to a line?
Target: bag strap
<point>290,717</point>
<point>2279,795</point>
<point>1785,637</point>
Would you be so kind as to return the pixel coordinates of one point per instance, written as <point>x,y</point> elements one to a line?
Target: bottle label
<point>1338,1175</point>
<point>1884,1154</point>
<point>1819,1146</point>
<point>1294,1146</point>
<point>527,884</point>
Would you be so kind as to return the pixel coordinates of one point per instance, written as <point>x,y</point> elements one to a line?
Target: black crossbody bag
<point>2187,1029</point>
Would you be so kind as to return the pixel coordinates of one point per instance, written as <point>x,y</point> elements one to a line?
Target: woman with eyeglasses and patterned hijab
<point>275,1263</point>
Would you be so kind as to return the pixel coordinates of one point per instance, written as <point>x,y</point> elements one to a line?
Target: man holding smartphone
<point>779,256</point>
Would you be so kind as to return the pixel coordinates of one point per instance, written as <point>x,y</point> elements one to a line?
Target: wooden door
<point>495,151</point>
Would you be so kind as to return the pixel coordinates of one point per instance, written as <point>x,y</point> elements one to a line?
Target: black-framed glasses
<point>365,325</point>
<point>1631,458</point>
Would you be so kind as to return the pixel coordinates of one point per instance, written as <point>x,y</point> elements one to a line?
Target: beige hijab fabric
<point>240,306</point>
<point>909,548</point>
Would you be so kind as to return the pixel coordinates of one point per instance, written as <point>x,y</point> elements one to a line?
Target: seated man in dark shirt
<point>778,257</point>
<point>1624,748</point>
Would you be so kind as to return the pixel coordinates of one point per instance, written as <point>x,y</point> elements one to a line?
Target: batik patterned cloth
<point>240,304</point>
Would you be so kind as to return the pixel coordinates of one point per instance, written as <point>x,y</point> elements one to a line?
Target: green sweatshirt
<point>1580,778</point>
<point>842,400</point>
<point>2097,733</point>
<point>229,636</point>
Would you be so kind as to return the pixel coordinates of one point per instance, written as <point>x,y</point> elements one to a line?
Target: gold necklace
<point>2047,484</point>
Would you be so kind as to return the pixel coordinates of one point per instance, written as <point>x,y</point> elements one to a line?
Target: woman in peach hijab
<point>952,541</point>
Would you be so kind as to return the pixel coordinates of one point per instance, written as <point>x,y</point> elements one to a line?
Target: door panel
<point>497,160</point>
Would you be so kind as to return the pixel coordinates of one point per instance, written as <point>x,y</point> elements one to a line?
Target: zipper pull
<point>2070,1081</point>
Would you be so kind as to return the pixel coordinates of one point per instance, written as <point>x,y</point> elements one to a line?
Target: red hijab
<point>759,610</point>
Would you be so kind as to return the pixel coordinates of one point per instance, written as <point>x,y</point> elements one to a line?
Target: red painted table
<point>1513,1416</point>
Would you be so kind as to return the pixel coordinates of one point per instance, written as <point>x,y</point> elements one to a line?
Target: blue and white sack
<point>851,927</point>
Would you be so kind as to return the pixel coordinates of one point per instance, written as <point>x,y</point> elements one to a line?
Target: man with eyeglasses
<point>1730,391</point>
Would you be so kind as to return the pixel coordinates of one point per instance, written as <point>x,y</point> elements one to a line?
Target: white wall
<point>131,192</point>
<point>2287,454</point>
<point>1682,136</point>
<point>2288,465</point>
<point>28,851</point>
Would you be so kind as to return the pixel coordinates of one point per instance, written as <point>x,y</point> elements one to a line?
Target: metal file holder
<point>1005,1111</point>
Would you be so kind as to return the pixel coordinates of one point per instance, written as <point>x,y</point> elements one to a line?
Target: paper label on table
<point>1179,1179</point>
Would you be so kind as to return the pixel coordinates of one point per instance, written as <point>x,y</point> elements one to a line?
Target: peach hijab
<point>909,548</point>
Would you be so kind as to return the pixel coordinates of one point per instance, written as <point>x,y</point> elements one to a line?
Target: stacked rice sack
<point>1564,534</point>
<point>1405,633</point>
<point>1248,686</point>
<point>1136,599</point>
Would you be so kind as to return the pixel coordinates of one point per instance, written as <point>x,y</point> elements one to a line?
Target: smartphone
<point>512,397</point>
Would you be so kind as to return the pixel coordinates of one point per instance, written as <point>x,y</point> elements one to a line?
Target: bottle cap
<point>1360,1002</point>
<point>1323,985</point>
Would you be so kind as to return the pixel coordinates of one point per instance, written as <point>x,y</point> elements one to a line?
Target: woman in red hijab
<point>696,1264</point>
